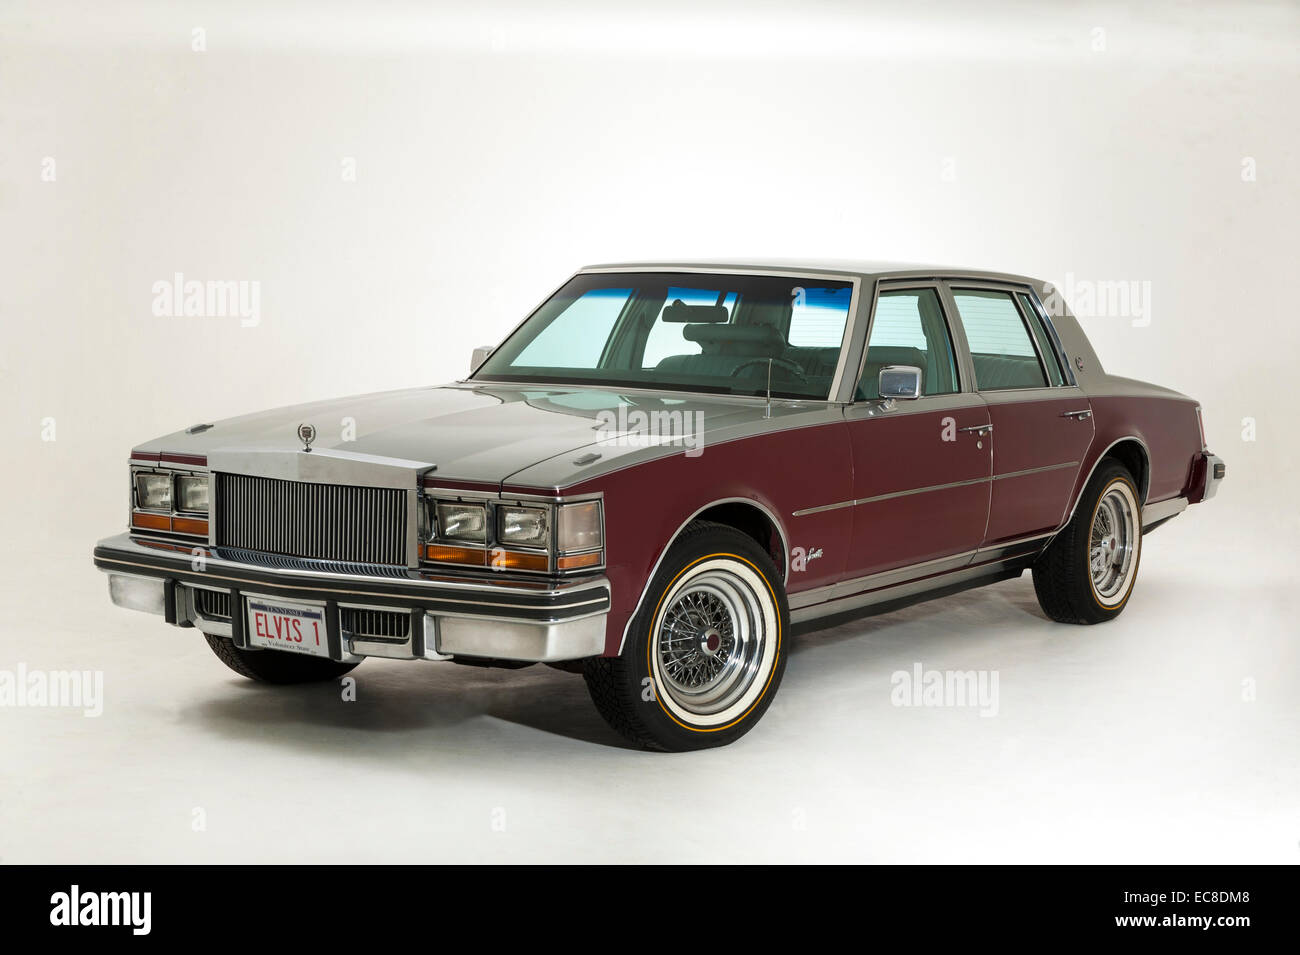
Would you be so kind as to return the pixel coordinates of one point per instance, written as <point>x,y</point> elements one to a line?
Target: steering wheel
<point>785,363</point>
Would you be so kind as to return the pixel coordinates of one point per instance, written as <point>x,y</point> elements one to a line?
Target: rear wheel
<point>1087,573</point>
<point>275,666</point>
<point>705,654</point>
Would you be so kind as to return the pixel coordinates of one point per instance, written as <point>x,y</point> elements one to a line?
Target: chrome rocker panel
<point>510,619</point>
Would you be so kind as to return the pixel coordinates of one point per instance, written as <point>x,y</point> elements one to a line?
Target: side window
<point>667,338</point>
<point>1000,346</point>
<point>1045,347</point>
<point>576,337</point>
<point>817,317</point>
<point>908,329</point>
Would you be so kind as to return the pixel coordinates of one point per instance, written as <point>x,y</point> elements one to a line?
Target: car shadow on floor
<point>439,705</point>
<point>398,706</point>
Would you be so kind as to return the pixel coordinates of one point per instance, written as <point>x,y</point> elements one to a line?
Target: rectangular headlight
<point>153,490</point>
<point>529,526</point>
<point>192,494</point>
<point>462,522</point>
<point>579,527</point>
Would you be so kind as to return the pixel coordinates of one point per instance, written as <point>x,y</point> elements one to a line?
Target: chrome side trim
<point>821,508</point>
<point>1005,548</point>
<point>899,590</point>
<point>780,529</point>
<point>1005,551</point>
<point>885,578</point>
<point>1162,510</point>
<point>933,487</point>
<point>1047,467</point>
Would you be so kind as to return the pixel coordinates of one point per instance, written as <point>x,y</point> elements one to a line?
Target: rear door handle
<point>1077,415</point>
<point>979,429</point>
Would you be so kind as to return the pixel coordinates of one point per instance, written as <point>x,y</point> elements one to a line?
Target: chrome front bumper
<point>507,619</point>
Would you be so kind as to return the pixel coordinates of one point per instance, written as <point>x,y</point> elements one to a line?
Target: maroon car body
<point>951,430</point>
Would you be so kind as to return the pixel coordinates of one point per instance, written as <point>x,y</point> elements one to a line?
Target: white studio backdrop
<point>400,182</point>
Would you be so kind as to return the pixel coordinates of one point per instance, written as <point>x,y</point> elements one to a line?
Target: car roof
<point>867,269</point>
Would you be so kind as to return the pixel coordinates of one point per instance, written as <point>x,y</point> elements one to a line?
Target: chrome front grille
<point>392,625</point>
<point>365,525</point>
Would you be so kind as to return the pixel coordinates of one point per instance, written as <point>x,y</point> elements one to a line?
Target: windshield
<point>683,331</point>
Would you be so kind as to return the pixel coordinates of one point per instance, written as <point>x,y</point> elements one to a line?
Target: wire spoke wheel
<point>1113,543</point>
<point>710,642</point>
<point>703,656</point>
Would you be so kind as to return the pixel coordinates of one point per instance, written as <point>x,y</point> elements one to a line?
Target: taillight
<point>1200,424</point>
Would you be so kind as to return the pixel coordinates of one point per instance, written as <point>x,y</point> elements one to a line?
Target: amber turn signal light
<point>445,554</point>
<point>190,525</point>
<point>152,522</point>
<point>515,560</point>
<point>578,561</point>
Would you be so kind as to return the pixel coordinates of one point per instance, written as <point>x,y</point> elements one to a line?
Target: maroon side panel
<point>785,471</point>
<point>1167,426</point>
<point>1029,435</point>
<point>901,454</point>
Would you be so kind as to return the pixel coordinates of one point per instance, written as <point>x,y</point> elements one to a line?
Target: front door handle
<point>979,429</point>
<point>1080,415</point>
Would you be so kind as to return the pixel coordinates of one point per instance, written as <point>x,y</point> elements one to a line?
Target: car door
<point>1042,421</point>
<point>920,466</point>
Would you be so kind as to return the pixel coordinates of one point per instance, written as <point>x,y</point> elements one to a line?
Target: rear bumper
<point>1208,473</point>
<point>507,619</point>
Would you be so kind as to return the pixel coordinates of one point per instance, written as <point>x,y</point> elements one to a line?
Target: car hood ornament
<point>306,434</point>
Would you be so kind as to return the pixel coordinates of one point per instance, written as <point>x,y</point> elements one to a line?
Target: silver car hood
<point>542,436</point>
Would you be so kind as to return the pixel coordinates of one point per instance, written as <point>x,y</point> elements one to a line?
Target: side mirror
<point>479,356</point>
<point>900,381</point>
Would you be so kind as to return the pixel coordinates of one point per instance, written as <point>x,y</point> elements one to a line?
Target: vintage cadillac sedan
<point>663,474</point>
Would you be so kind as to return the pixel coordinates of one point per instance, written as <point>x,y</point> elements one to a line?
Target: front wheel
<point>705,654</point>
<point>1087,572</point>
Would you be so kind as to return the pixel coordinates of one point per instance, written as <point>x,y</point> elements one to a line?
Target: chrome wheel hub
<point>710,641</point>
<point>1112,543</point>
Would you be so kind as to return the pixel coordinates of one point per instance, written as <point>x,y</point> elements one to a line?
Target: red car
<point>663,473</point>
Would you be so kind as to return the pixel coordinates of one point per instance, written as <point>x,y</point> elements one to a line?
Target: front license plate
<point>284,625</point>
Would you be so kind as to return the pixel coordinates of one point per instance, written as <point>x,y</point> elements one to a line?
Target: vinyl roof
<point>859,267</point>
